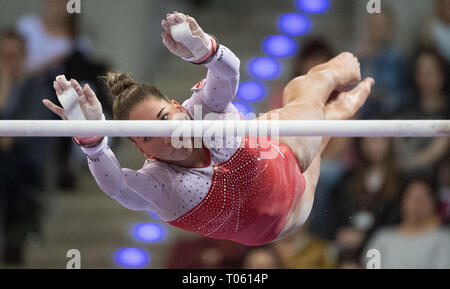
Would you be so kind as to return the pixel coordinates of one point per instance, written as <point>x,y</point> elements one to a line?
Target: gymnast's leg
<point>343,107</point>
<point>304,98</point>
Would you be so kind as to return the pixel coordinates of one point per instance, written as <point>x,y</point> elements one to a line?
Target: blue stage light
<point>251,91</point>
<point>245,109</point>
<point>264,68</point>
<point>132,257</point>
<point>280,46</point>
<point>313,6</point>
<point>149,232</point>
<point>294,24</point>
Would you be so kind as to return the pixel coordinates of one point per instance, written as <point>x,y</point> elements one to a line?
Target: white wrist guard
<point>69,101</point>
<point>196,45</point>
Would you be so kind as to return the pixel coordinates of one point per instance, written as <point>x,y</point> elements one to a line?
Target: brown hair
<point>10,33</point>
<point>128,93</point>
<point>313,47</point>
<point>441,61</point>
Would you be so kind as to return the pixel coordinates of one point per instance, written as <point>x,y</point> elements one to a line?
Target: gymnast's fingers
<point>62,81</point>
<point>54,108</point>
<point>90,94</point>
<point>171,19</point>
<point>192,23</point>
<point>179,17</point>
<point>82,99</point>
<point>168,41</point>
<point>165,25</point>
<point>77,87</point>
<point>57,88</point>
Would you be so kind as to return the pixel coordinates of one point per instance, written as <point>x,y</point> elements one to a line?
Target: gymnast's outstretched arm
<point>222,80</point>
<point>115,181</point>
<point>185,38</point>
<point>135,190</point>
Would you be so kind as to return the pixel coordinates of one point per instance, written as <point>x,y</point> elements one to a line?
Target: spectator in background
<point>264,257</point>
<point>444,190</point>
<point>12,59</point>
<point>21,177</point>
<point>50,37</point>
<point>380,60</point>
<point>430,100</point>
<point>301,250</point>
<point>314,52</point>
<point>438,30</point>
<point>349,263</point>
<point>418,241</point>
<point>206,253</point>
<point>366,197</point>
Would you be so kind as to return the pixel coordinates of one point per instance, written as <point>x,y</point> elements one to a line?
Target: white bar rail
<point>162,128</point>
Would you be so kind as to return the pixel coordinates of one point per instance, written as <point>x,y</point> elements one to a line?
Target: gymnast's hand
<point>87,100</point>
<point>184,37</point>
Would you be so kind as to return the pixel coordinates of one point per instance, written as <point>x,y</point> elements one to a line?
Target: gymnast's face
<point>159,147</point>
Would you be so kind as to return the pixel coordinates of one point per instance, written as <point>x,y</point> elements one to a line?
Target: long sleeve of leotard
<point>221,81</point>
<point>135,190</point>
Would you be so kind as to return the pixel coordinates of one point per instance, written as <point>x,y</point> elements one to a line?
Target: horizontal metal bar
<point>158,128</point>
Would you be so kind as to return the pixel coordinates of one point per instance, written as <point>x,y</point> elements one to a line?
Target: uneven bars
<point>163,128</point>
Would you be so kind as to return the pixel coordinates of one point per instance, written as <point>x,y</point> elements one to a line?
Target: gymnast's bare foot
<point>343,70</point>
<point>346,104</point>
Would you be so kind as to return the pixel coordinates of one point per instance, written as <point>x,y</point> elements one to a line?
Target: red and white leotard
<point>241,195</point>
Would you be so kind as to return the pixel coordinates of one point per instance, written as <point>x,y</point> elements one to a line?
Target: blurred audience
<point>30,60</point>
<point>22,179</point>
<point>315,51</point>
<point>12,59</point>
<point>438,30</point>
<point>418,241</point>
<point>51,36</point>
<point>264,257</point>
<point>206,253</point>
<point>366,197</point>
<point>349,264</point>
<point>301,250</point>
<point>380,60</point>
<point>443,176</point>
<point>430,100</point>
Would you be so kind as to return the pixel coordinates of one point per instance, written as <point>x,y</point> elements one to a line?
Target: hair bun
<point>119,82</point>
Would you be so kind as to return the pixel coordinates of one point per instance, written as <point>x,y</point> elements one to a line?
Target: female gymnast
<point>229,192</point>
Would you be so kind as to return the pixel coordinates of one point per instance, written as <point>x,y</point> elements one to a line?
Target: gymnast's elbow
<point>133,206</point>
<point>235,74</point>
<point>123,198</point>
<point>228,67</point>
